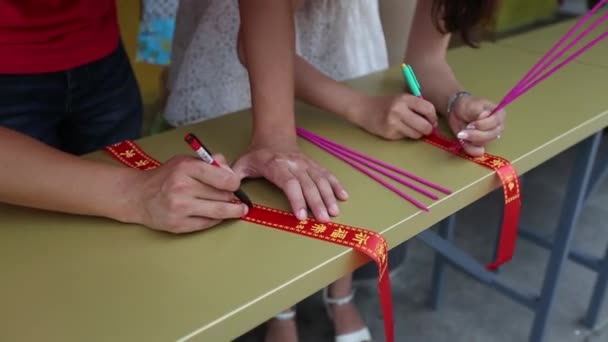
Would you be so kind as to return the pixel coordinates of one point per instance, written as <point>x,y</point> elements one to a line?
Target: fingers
<point>309,186</point>
<point>206,192</point>
<point>313,196</point>
<point>213,176</point>
<point>472,108</point>
<point>242,168</point>
<point>337,187</point>
<point>423,108</point>
<point>293,191</point>
<point>406,131</point>
<point>472,150</point>
<point>306,184</point>
<point>326,191</point>
<point>416,117</point>
<point>193,224</point>
<point>186,214</point>
<point>218,210</point>
<point>478,125</point>
<point>222,161</point>
<point>486,122</point>
<point>415,126</point>
<point>479,138</point>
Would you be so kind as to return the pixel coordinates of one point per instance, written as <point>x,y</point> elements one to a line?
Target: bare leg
<point>347,318</point>
<point>282,329</point>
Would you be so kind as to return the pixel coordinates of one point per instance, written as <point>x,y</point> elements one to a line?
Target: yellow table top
<point>541,40</point>
<point>71,278</point>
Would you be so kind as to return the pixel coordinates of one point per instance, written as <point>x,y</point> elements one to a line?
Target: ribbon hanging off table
<point>511,190</point>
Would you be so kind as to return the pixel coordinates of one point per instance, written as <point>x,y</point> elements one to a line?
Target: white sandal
<point>286,315</point>
<point>361,335</point>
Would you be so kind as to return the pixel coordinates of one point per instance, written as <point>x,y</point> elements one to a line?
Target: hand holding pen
<point>414,85</point>
<point>197,146</point>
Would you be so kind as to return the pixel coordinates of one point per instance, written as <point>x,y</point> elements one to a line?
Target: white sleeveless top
<point>342,38</point>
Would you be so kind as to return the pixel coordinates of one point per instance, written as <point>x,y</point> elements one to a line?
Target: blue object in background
<point>155,39</point>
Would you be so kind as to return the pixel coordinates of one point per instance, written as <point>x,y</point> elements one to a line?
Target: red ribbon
<point>511,190</point>
<point>364,241</point>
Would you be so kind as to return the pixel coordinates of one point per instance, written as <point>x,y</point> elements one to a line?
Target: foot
<point>347,318</point>
<point>281,331</point>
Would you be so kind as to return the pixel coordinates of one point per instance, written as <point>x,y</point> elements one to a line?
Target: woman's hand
<point>395,117</point>
<point>303,180</point>
<point>471,122</point>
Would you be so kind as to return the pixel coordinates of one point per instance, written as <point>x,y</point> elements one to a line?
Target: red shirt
<point>39,36</point>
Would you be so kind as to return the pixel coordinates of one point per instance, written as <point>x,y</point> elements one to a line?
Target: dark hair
<point>464,16</point>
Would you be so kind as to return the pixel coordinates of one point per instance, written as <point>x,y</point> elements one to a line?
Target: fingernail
<point>245,210</point>
<point>471,126</point>
<point>302,214</point>
<point>344,194</point>
<point>462,135</point>
<point>333,209</point>
<point>324,217</point>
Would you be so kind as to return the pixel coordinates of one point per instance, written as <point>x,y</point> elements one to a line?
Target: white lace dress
<point>342,38</point>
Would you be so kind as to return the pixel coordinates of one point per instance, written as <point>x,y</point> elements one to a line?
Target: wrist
<point>454,101</point>
<point>359,108</point>
<point>278,137</point>
<point>129,197</point>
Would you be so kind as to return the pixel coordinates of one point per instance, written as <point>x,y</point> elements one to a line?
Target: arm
<point>35,175</point>
<point>426,52</point>
<point>39,176</point>
<point>392,117</point>
<point>267,49</point>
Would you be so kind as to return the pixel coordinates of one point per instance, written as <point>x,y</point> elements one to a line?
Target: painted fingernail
<point>245,209</point>
<point>462,135</point>
<point>471,126</point>
<point>302,214</point>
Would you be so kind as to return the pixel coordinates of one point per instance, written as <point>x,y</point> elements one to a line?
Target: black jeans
<point>78,110</point>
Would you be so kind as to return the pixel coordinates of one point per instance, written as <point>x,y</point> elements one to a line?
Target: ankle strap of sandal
<point>337,301</point>
<point>286,315</point>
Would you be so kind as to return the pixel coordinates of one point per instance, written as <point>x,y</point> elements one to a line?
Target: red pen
<point>203,153</point>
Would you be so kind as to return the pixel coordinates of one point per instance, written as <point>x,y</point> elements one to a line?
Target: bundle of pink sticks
<point>361,161</point>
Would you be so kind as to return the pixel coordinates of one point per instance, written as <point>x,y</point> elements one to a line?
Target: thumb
<point>243,168</point>
<point>472,150</point>
<point>222,161</point>
<point>456,125</point>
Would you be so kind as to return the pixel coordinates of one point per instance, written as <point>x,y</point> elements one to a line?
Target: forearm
<point>35,175</point>
<point>317,89</point>
<point>437,81</point>
<point>426,52</point>
<point>268,47</point>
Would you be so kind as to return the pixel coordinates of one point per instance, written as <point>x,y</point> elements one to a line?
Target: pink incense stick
<point>371,175</point>
<point>520,88</point>
<point>377,169</point>
<point>377,162</point>
<point>559,66</point>
<point>529,75</point>
<point>564,50</point>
